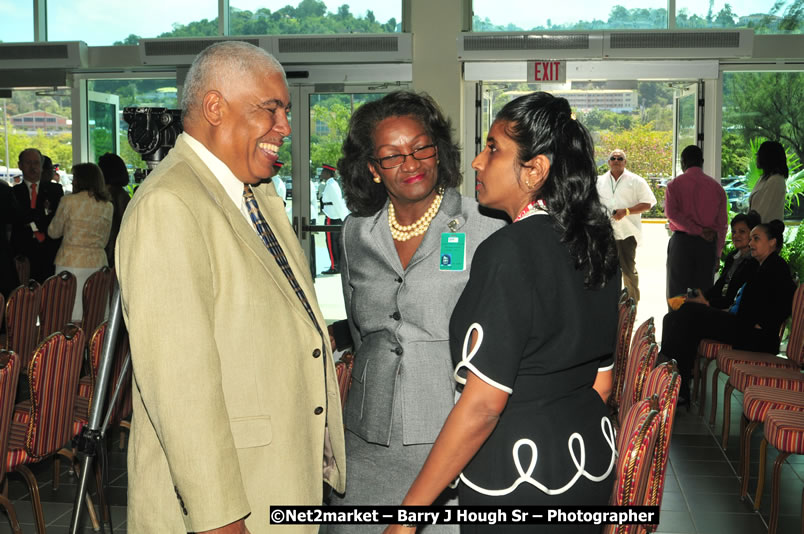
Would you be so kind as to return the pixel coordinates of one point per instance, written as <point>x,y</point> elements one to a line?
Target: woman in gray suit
<point>407,250</point>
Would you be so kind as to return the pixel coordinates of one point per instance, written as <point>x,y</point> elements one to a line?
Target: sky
<point>101,22</point>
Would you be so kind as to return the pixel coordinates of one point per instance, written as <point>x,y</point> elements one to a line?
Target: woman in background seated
<point>760,307</point>
<point>407,249</point>
<point>738,266</point>
<point>84,219</point>
<point>534,330</point>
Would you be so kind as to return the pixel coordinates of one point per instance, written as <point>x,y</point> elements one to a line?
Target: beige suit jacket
<point>229,370</point>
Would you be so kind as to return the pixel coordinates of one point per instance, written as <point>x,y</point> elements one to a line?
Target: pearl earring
<point>377,179</point>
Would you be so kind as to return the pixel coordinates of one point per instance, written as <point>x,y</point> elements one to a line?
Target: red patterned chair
<point>708,350</point>
<point>757,402</point>
<point>9,376</point>
<point>636,443</point>
<point>727,359</point>
<point>644,334</point>
<point>639,365</point>
<point>664,382</point>
<point>784,429</point>
<point>56,304</point>
<point>22,309</point>
<point>625,327</point>
<point>42,425</point>
<point>96,298</point>
<point>343,370</point>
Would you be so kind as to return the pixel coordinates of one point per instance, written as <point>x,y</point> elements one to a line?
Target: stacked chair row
<point>43,426</point>
<point>773,396</point>
<point>643,405</point>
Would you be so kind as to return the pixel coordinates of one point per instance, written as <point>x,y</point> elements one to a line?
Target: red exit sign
<point>547,71</point>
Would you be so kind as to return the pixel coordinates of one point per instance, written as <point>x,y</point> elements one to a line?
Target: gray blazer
<point>399,319</point>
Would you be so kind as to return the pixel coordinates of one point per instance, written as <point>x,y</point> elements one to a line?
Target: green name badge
<point>453,252</point>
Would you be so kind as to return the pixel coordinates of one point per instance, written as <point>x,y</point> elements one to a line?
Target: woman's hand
<point>699,298</point>
<point>399,529</point>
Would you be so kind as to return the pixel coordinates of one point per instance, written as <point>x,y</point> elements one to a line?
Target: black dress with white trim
<point>542,337</point>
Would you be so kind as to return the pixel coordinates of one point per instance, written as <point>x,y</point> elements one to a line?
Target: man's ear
<point>212,107</point>
<point>536,171</point>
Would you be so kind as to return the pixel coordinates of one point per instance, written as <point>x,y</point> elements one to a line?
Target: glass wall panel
<point>764,16</point>
<point>98,23</point>
<point>16,22</point>
<point>525,15</point>
<point>149,92</point>
<point>259,17</point>
<point>759,106</point>
<point>636,117</point>
<point>39,119</point>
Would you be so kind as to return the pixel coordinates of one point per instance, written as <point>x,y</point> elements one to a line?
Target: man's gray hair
<point>226,61</point>
<point>618,151</point>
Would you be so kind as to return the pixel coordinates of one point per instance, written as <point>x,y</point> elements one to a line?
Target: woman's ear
<point>535,171</point>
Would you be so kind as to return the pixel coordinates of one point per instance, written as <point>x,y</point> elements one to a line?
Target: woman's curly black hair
<point>540,123</point>
<point>363,196</point>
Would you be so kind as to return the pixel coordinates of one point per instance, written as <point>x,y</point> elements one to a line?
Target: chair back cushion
<point>123,406</point>
<point>636,445</point>
<point>95,352</point>
<point>9,376</point>
<point>795,344</point>
<point>343,369</point>
<point>640,362</point>
<point>96,298</point>
<point>665,382</point>
<point>56,307</point>
<point>625,326</point>
<point>53,375</point>
<point>22,309</point>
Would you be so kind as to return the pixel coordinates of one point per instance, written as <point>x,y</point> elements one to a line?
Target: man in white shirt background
<point>335,211</point>
<point>626,196</point>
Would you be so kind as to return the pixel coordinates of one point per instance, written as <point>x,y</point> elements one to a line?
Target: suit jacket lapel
<point>242,229</point>
<point>381,236</point>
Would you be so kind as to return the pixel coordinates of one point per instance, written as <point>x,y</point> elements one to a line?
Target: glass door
<point>687,123</point>
<point>103,124</point>
<point>314,197</point>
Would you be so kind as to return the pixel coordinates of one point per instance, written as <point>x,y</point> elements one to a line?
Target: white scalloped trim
<point>525,476</point>
<point>466,359</point>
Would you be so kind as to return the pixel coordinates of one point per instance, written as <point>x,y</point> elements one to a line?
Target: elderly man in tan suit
<point>236,404</point>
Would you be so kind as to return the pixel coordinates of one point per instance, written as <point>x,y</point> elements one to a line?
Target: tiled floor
<point>701,495</point>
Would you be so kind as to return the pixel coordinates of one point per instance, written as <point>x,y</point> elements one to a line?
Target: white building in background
<point>617,100</point>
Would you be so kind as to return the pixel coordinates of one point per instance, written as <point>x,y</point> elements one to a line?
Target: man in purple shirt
<point>696,206</point>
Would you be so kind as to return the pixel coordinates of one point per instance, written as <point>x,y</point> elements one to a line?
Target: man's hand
<point>238,527</point>
<point>709,234</point>
<point>618,214</point>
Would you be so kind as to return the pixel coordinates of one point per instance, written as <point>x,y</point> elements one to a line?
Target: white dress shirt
<point>626,191</point>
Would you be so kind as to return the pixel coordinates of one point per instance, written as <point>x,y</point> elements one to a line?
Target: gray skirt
<point>379,475</point>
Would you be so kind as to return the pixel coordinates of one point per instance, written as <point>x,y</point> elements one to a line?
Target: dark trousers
<point>684,328</point>
<point>334,244</point>
<point>626,252</point>
<point>691,263</point>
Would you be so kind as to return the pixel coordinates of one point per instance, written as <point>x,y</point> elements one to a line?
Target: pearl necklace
<point>403,233</point>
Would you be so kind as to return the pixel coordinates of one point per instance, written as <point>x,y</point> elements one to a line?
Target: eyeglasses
<point>391,162</point>
<point>616,158</point>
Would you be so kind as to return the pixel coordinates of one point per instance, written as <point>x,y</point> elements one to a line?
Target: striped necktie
<point>270,241</point>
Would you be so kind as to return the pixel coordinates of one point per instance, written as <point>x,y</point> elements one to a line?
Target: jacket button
<point>317,353</point>
<point>399,279</point>
<point>396,315</point>
<point>398,351</point>
<point>319,410</point>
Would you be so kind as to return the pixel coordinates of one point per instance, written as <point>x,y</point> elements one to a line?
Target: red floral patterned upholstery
<point>86,386</point>
<point>639,365</point>
<point>664,382</point>
<point>56,307</point>
<point>96,298</point>
<point>21,311</point>
<point>53,379</point>
<point>636,444</point>
<point>625,326</point>
<point>784,429</point>
<point>9,376</point>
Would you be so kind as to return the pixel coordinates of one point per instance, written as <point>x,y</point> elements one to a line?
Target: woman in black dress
<point>533,333</point>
